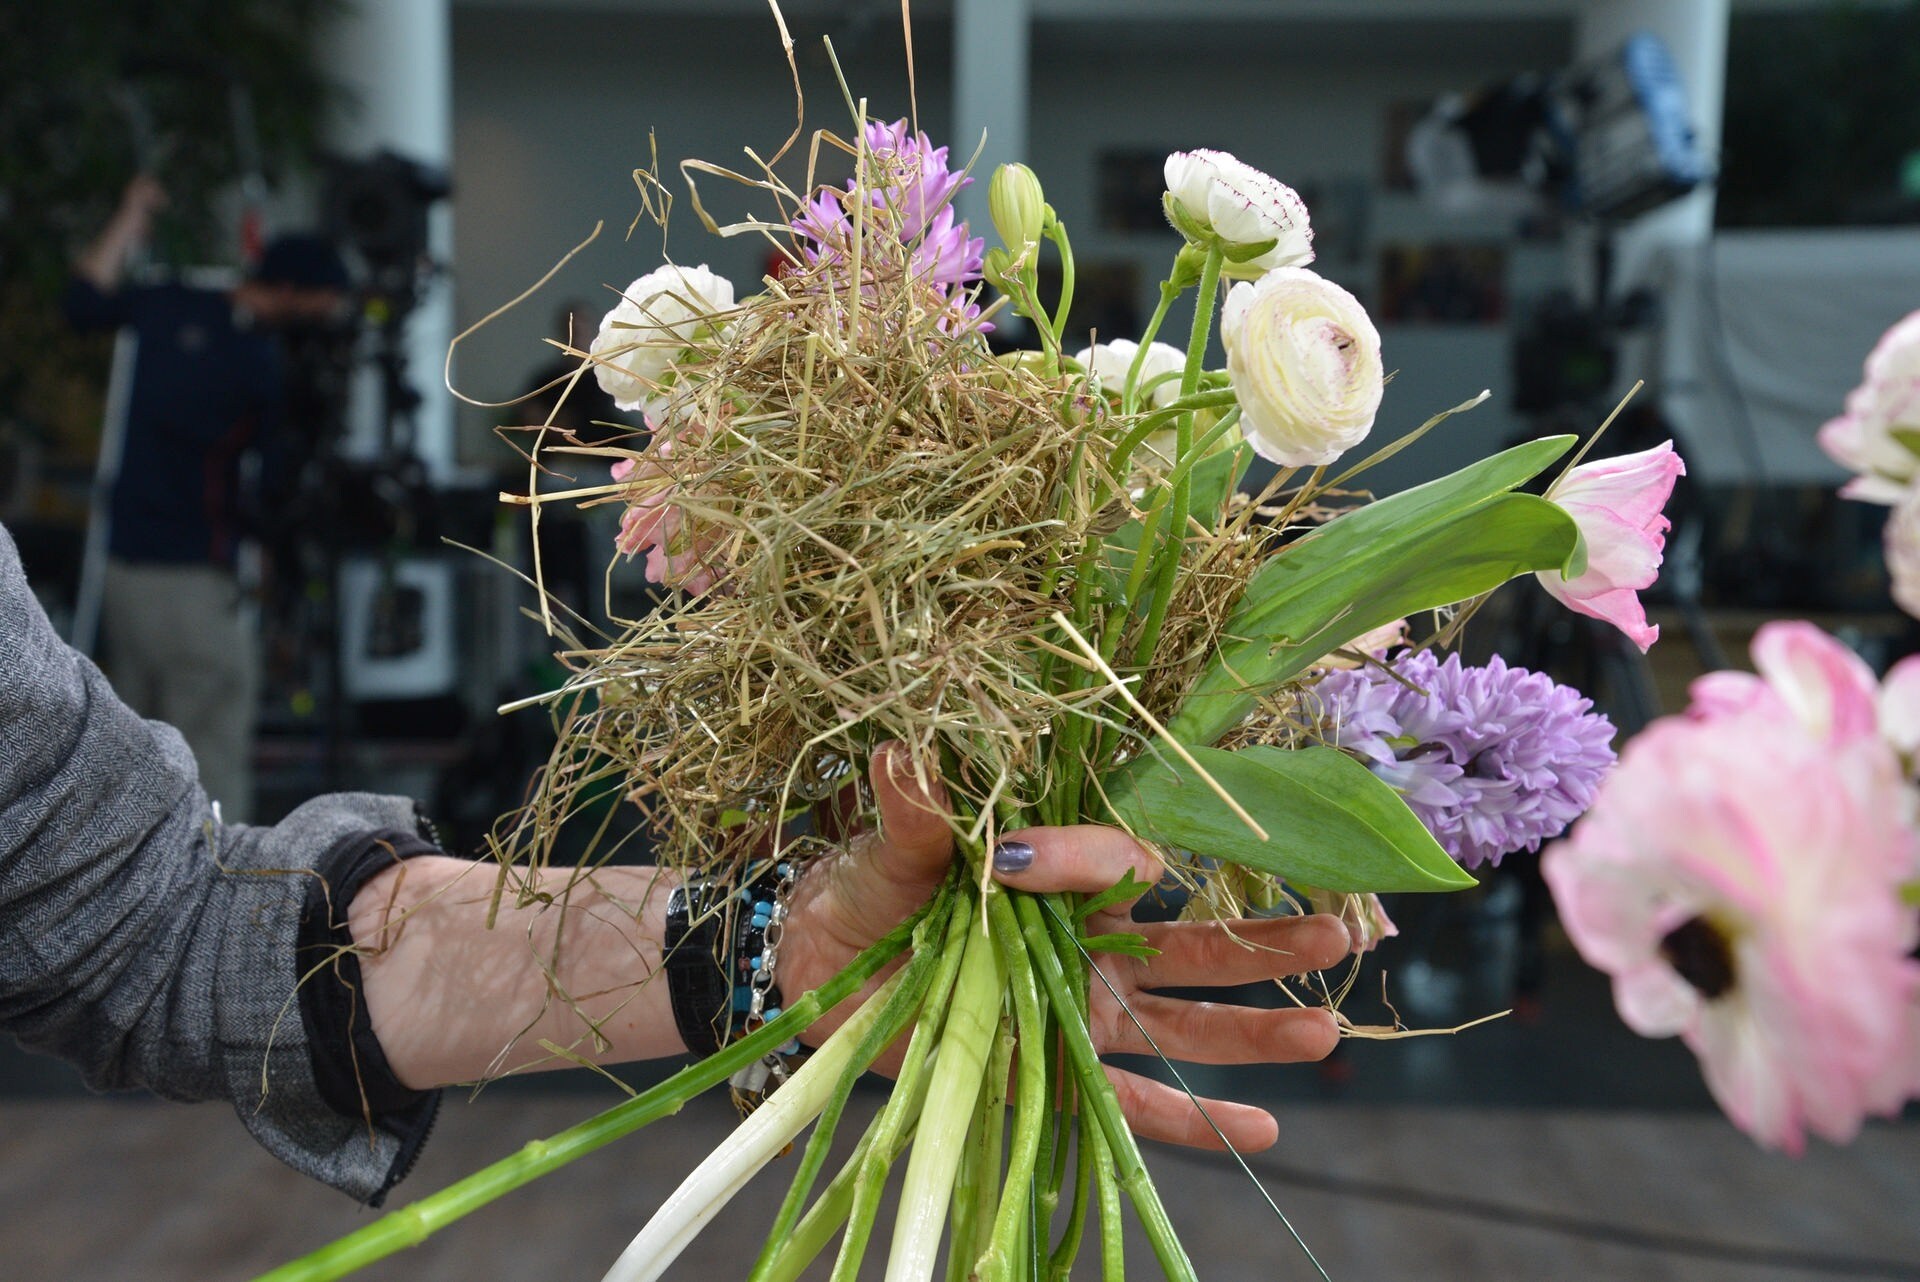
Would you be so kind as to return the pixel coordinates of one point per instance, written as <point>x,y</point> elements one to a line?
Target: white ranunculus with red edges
<point>1879,435</point>
<point>657,318</point>
<point>1221,196</point>
<point>1618,504</point>
<point>1304,360</point>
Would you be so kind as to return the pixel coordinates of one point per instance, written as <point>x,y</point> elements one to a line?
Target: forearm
<point>103,263</point>
<point>452,999</point>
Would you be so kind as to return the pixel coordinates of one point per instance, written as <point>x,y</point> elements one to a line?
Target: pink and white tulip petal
<point>1618,504</point>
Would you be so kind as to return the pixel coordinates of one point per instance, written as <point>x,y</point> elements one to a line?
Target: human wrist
<point>462,985</point>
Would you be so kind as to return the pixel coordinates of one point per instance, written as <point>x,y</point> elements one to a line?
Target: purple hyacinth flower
<point>1492,759</point>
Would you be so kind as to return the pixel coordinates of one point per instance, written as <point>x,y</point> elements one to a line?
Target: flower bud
<point>1304,360</point>
<point>1018,205</point>
<point>1258,220</point>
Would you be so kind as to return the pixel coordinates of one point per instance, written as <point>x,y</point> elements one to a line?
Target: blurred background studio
<point>1551,199</point>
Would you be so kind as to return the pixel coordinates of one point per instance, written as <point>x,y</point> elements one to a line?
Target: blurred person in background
<point>208,387</point>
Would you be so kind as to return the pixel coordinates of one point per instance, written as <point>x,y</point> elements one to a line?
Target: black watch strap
<point>697,978</point>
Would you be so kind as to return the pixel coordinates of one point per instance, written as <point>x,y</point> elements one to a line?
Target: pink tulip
<point>1617,503</point>
<point>1739,878</point>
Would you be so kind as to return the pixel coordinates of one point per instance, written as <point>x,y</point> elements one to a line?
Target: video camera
<point>379,206</point>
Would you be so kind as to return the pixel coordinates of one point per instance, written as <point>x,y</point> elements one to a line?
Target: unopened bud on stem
<point>1018,205</point>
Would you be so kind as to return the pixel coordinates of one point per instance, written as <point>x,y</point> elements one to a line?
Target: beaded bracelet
<point>721,993</point>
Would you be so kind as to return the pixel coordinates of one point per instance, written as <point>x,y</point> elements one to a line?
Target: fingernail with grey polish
<point>1012,856</point>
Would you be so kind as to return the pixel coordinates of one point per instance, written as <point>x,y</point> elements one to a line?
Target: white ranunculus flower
<point>1109,362</point>
<point>1242,206</point>
<point>1304,359</point>
<point>1879,435</point>
<point>657,317</point>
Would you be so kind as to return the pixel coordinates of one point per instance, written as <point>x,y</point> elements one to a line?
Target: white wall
<point>552,112</point>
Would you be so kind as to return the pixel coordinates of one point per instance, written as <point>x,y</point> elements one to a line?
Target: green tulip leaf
<point>1441,543</point>
<point>1329,821</point>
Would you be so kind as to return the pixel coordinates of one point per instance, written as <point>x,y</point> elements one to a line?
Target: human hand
<point>142,198</point>
<point>848,900</point>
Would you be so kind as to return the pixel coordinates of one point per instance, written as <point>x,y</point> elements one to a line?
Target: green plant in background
<point>1821,116</point>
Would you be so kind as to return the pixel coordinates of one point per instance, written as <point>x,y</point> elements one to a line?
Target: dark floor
<point>97,1190</point>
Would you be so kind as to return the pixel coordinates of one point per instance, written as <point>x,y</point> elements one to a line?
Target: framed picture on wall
<point>1106,299</point>
<point>1130,183</point>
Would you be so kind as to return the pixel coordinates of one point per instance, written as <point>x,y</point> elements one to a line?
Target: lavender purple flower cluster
<point>914,188</point>
<point>1492,759</point>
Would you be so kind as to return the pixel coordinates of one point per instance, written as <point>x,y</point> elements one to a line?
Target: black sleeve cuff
<point>349,1067</point>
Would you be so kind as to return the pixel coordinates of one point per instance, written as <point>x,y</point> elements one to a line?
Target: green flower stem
<point>909,989</point>
<point>829,1211</point>
<point>1169,561</point>
<point>1047,1196</point>
<point>1060,1263</point>
<point>1122,455</point>
<point>1130,398</point>
<point>415,1222</point>
<point>1097,1095</point>
<point>1029,1115</point>
<point>979,1183</point>
<point>963,1216</point>
<point>767,1131</point>
<point>1057,233</point>
<point>914,1086</point>
<point>965,1042</point>
<point>1204,446</point>
<point>1113,1244</point>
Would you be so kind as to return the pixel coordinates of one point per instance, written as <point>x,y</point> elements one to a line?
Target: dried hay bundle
<point>892,516</point>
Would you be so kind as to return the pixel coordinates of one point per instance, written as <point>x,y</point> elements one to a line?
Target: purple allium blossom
<point>1492,759</point>
<point>912,189</point>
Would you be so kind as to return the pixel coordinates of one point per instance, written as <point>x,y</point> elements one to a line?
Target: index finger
<point>1082,857</point>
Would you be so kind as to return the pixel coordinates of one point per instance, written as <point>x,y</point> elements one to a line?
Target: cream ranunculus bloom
<point>657,317</point>
<point>1304,359</point>
<point>1109,362</point>
<point>1240,205</point>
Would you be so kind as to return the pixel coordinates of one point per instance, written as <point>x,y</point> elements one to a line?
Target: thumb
<point>914,844</point>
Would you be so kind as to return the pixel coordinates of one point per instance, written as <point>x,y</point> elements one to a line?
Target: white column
<point>1695,31</point>
<point>395,60</point>
<point>991,42</point>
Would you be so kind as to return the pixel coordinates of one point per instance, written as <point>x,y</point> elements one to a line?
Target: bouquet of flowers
<point>1037,571</point>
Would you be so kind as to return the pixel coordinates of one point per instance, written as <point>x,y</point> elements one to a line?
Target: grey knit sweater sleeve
<point>142,940</point>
